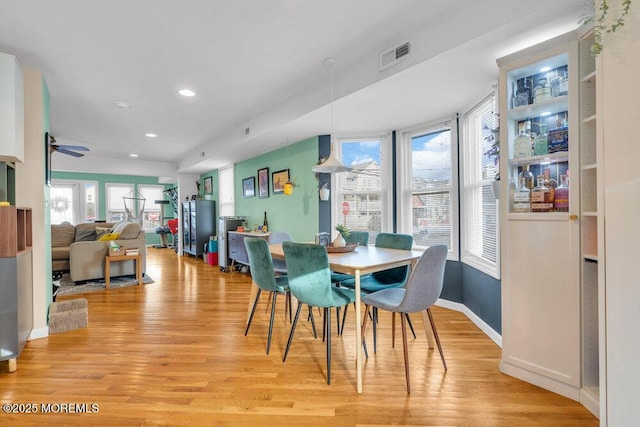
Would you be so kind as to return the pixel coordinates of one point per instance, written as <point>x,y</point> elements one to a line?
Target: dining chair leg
<point>406,352</point>
<point>293,329</point>
<point>374,322</point>
<point>393,329</point>
<point>410,325</point>
<point>266,307</point>
<point>273,313</point>
<point>337,319</point>
<point>364,329</point>
<point>435,334</point>
<point>253,311</point>
<point>313,322</point>
<point>327,315</point>
<point>344,316</point>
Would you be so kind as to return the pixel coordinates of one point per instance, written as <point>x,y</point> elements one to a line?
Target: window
<point>115,203</point>
<point>153,213</point>
<point>226,200</point>
<point>73,201</point>
<point>427,205</point>
<point>361,195</point>
<point>479,219</point>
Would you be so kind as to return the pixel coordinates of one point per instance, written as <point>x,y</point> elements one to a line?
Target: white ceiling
<point>259,64</point>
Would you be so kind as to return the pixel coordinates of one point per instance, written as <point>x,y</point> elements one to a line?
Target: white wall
<point>30,192</point>
<point>621,97</point>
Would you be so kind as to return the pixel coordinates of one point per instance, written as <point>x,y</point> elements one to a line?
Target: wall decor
<point>249,187</point>
<point>208,185</point>
<point>263,183</point>
<point>278,180</point>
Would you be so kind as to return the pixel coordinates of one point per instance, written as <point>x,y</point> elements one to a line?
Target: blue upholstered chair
<point>310,282</point>
<point>262,273</point>
<point>421,291</point>
<point>279,266</point>
<point>392,278</point>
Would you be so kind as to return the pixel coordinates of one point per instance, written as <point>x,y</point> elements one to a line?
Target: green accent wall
<point>214,184</point>
<point>296,214</point>
<point>103,179</point>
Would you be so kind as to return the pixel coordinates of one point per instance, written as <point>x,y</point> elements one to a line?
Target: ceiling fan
<point>64,149</point>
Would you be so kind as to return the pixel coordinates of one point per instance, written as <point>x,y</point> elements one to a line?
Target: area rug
<point>67,287</point>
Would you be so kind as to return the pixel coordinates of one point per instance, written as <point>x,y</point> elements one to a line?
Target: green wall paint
<point>214,184</point>
<point>103,179</point>
<point>296,214</point>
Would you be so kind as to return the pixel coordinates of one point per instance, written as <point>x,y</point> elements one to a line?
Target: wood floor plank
<point>174,353</point>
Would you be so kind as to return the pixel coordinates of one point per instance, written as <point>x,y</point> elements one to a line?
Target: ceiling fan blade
<point>71,153</point>
<point>73,147</point>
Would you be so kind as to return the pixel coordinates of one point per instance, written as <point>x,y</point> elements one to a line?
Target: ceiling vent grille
<point>390,57</point>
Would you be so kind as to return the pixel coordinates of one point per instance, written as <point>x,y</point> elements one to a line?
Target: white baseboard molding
<point>484,327</point>
<point>590,399</point>
<point>546,383</point>
<point>38,333</point>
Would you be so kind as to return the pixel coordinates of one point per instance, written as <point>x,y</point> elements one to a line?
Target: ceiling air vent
<point>391,57</point>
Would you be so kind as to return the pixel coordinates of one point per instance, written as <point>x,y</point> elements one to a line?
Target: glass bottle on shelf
<point>521,198</point>
<point>559,137</point>
<point>540,197</point>
<point>551,184</point>
<point>541,142</point>
<point>563,85</point>
<point>522,142</point>
<point>265,223</point>
<point>542,91</point>
<point>523,93</point>
<point>561,202</point>
<point>528,177</point>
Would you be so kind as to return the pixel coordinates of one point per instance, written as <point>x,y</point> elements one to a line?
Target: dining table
<point>358,262</point>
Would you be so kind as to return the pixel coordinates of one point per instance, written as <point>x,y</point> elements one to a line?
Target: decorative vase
<point>339,242</point>
<point>324,194</point>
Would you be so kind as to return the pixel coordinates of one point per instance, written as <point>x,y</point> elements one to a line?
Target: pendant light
<point>331,165</point>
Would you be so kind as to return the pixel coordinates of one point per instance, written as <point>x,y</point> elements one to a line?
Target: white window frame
<point>150,204</point>
<point>405,182</point>
<point>78,188</point>
<point>130,187</point>
<point>386,158</point>
<point>226,192</point>
<point>468,180</point>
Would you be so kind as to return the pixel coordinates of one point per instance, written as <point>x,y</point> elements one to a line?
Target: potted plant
<point>494,153</point>
<point>289,186</point>
<point>343,231</point>
<point>324,191</point>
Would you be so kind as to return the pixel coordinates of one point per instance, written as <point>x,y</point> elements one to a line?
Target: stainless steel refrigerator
<point>225,224</point>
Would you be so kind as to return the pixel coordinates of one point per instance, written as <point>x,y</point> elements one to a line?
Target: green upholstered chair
<point>261,266</point>
<point>362,239</point>
<point>310,282</point>
<point>421,291</point>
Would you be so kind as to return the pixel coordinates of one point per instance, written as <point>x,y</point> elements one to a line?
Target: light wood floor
<point>174,353</point>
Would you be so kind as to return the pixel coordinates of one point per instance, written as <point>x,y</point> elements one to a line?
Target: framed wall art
<point>249,187</point>
<point>208,185</point>
<point>263,183</point>
<point>278,180</point>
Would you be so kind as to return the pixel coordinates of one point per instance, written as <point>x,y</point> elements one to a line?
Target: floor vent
<point>390,57</point>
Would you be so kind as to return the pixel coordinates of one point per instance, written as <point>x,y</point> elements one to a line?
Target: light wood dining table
<point>363,260</point>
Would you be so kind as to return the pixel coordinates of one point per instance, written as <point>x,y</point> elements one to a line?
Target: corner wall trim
<point>38,333</point>
<point>484,327</point>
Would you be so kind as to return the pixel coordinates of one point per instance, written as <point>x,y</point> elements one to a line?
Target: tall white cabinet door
<point>541,301</point>
<point>540,239</point>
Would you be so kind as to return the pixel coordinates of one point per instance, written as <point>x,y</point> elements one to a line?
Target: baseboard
<point>484,327</point>
<point>590,399</point>
<point>38,333</point>
<point>546,383</point>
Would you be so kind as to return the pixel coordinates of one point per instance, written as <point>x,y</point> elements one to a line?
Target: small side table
<point>113,258</point>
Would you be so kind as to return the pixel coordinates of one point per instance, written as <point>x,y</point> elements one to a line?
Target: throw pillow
<point>101,231</point>
<point>109,236</point>
<point>119,226</point>
<point>131,231</point>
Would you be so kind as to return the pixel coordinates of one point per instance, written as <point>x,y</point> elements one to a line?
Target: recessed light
<point>545,69</point>
<point>545,113</point>
<point>133,155</point>
<point>150,135</point>
<point>122,105</point>
<point>186,92</point>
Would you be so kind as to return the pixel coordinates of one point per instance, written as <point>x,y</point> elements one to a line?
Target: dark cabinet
<point>198,225</point>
